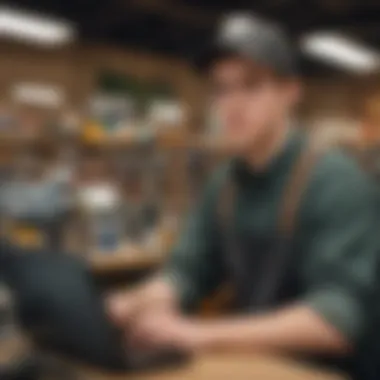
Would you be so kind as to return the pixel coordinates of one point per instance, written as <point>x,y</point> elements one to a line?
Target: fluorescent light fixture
<point>36,94</point>
<point>34,28</point>
<point>338,50</point>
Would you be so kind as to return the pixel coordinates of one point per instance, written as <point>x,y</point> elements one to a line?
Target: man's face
<point>249,102</point>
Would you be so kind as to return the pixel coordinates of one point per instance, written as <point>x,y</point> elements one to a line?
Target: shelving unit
<point>174,143</point>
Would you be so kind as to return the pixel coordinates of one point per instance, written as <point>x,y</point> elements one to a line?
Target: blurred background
<point>105,137</point>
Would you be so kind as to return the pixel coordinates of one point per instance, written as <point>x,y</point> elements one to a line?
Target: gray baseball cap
<point>246,35</point>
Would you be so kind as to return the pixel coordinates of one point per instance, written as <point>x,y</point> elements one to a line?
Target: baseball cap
<point>246,35</point>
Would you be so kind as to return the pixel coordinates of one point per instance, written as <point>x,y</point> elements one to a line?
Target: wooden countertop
<point>209,367</point>
<point>226,367</point>
<point>216,367</point>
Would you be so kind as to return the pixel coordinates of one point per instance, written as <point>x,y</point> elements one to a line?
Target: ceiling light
<point>34,28</point>
<point>36,94</point>
<point>338,50</point>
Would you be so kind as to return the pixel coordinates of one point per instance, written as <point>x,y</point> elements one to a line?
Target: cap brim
<point>212,53</point>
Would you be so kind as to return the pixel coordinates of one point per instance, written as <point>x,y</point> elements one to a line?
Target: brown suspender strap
<point>226,203</point>
<point>223,299</point>
<point>291,197</point>
<point>287,218</point>
<point>295,187</point>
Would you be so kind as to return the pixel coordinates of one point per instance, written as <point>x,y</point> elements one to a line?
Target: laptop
<point>61,308</point>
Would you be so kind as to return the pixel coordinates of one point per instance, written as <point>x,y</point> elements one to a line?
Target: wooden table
<point>226,367</point>
<point>212,367</point>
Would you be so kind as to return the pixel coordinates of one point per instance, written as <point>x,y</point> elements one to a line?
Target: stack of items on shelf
<point>99,181</point>
<point>35,202</point>
<point>41,200</point>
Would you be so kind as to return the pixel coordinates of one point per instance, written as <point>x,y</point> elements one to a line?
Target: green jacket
<point>336,234</point>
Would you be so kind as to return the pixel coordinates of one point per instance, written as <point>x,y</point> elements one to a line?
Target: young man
<point>321,307</point>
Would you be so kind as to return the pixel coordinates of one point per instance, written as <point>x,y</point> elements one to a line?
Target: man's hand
<point>165,330</point>
<point>124,307</point>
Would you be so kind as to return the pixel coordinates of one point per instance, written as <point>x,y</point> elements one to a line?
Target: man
<point>330,274</point>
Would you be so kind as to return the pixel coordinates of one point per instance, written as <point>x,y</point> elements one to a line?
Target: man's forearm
<point>297,329</point>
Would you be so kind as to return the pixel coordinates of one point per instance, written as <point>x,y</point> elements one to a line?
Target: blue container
<point>107,231</point>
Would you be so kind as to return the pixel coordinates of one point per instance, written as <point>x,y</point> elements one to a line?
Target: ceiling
<point>178,27</point>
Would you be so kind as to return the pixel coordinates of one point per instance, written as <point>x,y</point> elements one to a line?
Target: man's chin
<point>232,145</point>
<point>238,147</point>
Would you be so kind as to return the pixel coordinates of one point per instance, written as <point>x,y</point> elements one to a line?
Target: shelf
<point>129,259</point>
<point>162,141</point>
<point>132,257</point>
